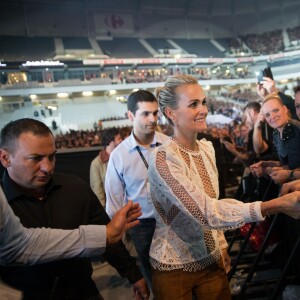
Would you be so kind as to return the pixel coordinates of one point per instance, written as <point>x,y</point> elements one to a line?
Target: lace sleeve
<point>177,191</point>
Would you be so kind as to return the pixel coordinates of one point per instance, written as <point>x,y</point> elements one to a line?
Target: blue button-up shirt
<point>126,176</point>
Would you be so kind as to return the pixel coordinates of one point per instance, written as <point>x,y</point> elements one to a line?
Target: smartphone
<point>264,73</point>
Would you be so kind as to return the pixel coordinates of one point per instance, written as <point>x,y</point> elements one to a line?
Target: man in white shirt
<point>126,176</point>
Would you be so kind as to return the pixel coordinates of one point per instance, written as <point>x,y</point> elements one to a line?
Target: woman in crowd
<point>286,137</point>
<point>188,240</point>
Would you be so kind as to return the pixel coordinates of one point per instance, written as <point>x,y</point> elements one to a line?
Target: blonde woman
<point>188,240</point>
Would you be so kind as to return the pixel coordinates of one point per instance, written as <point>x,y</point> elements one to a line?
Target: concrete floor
<point>110,284</point>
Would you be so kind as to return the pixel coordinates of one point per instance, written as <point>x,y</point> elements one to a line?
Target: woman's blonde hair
<point>271,97</point>
<point>166,95</point>
<point>275,96</point>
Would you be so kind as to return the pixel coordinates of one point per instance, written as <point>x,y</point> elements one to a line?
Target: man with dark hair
<point>297,100</point>
<point>110,139</point>
<point>42,198</point>
<point>126,176</point>
<point>137,97</point>
<point>260,135</point>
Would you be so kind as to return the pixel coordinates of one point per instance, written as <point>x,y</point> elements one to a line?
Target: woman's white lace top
<point>184,190</point>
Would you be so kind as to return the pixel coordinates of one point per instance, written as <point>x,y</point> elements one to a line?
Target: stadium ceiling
<point>182,7</point>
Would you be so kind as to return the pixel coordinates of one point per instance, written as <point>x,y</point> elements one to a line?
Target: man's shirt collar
<point>133,143</point>
<point>12,190</point>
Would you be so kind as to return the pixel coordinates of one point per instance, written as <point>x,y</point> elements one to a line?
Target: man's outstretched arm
<point>41,245</point>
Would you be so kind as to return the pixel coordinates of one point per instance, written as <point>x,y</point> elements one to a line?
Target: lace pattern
<point>184,191</point>
<point>190,267</point>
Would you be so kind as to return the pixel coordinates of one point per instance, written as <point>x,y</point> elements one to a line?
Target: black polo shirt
<point>68,203</point>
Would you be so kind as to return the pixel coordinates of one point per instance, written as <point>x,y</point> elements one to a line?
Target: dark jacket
<point>69,203</point>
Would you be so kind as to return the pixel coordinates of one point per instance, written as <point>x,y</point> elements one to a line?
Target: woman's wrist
<point>270,207</point>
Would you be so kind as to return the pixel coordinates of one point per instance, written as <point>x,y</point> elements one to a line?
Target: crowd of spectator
<point>266,43</point>
<point>241,96</point>
<point>92,138</point>
<point>262,44</point>
<point>84,138</point>
<point>127,76</point>
<point>237,48</point>
<point>294,36</point>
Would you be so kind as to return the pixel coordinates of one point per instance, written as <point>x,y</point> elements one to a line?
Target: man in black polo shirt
<point>42,198</point>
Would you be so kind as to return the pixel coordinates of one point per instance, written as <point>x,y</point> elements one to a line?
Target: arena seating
<point>76,43</point>
<point>200,47</point>
<point>123,48</point>
<point>20,48</point>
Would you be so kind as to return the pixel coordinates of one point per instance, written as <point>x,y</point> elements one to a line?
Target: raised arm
<point>171,185</point>
<point>41,245</point>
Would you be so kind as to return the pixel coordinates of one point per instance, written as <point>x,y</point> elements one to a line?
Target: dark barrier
<point>73,161</point>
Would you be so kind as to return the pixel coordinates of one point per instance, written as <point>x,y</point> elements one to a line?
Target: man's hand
<point>140,290</point>
<point>229,146</point>
<point>263,167</point>
<point>280,175</point>
<point>257,170</point>
<point>290,187</point>
<point>123,219</point>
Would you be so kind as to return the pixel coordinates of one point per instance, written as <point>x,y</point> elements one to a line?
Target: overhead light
<point>207,87</point>
<point>32,97</point>
<point>122,99</point>
<point>87,93</point>
<point>0,98</point>
<point>284,81</point>
<point>52,107</point>
<point>112,92</point>
<point>62,95</point>
<point>135,90</point>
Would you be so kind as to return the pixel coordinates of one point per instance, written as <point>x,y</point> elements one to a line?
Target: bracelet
<point>291,176</point>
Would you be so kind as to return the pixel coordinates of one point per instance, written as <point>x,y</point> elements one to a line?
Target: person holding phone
<point>286,138</point>
<point>266,86</point>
